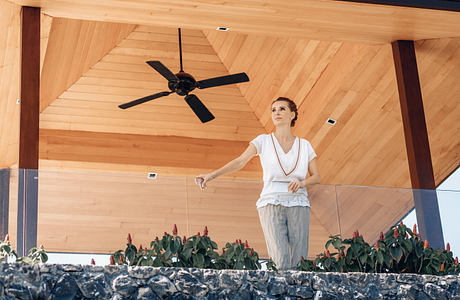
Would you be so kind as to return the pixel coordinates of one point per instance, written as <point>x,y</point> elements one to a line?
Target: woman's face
<point>281,114</point>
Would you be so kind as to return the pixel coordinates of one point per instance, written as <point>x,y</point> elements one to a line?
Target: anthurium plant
<point>7,253</point>
<point>400,250</point>
<point>197,251</point>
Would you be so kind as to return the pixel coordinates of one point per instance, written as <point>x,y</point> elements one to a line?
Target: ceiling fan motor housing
<point>185,85</point>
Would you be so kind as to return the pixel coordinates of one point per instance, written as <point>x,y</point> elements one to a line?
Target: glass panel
<point>449,208</point>
<point>94,212</point>
<point>371,210</point>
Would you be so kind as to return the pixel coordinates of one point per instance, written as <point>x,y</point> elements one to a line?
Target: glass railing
<point>91,212</point>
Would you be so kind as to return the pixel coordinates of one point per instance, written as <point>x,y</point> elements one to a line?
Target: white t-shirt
<point>275,189</point>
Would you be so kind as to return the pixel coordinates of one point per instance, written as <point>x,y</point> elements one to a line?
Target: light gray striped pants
<point>286,233</point>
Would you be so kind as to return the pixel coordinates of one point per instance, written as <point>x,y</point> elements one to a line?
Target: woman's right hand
<point>203,179</point>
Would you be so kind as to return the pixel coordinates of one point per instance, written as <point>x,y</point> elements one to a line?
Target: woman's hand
<point>294,186</point>
<point>203,179</point>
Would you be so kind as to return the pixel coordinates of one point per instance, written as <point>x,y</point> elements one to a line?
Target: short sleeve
<point>311,152</point>
<point>258,143</point>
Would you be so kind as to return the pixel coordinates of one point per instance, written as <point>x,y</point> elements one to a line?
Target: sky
<point>448,194</point>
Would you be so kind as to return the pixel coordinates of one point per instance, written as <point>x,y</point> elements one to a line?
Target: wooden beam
<point>29,130</point>
<point>417,144</point>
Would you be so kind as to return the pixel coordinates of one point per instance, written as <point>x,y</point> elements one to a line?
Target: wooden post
<point>29,128</point>
<point>417,145</point>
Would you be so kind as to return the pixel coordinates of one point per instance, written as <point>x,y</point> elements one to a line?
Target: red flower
<point>130,240</point>
<point>448,247</point>
<point>7,237</point>
<point>395,233</point>
<point>205,231</point>
<point>314,265</point>
<point>301,258</point>
<point>401,223</point>
<point>140,248</point>
<point>175,229</point>
<point>165,233</point>
<point>376,245</point>
<point>223,251</point>
<point>184,239</point>
<point>328,254</point>
<point>121,259</point>
<point>415,229</point>
<point>239,241</point>
<point>157,240</point>
<point>251,253</point>
<point>407,235</point>
<point>246,245</point>
<point>92,261</point>
<point>442,267</point>
<point>337,258</point>
<point>236,241</point>
<point>426,245</point>
<point>342,254</point>
<point>112,260</point>
<point>456,261</point>
<point>198,234</point>
<point>381,236</point>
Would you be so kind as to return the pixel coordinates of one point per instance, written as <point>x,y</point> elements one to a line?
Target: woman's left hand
<point>294,186</point>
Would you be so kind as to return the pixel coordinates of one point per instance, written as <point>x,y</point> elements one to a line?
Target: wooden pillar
<point>4,201</point>
<point>29,128</point>
<point>417,145</point>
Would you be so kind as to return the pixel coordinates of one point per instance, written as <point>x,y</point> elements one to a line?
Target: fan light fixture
<point>183,83</point>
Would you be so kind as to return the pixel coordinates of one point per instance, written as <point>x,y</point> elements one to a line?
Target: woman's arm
<point>312,179</point>
<point>230,167</point>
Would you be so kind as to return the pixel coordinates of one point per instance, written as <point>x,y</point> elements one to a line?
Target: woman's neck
<point>284,133</point>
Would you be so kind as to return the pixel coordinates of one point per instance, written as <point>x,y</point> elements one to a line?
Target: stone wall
<point>48,281</point>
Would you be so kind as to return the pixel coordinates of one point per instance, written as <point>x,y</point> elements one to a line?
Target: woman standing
<point>283,206</point>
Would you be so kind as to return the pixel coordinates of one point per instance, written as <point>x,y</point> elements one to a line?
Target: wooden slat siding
<point>29,128</point>
<point>45,27</point>
<point>73,47</point>
<point>154,151</point>
<point>10,26</point>
<point>91,103</point>
<point>439,69</point>
<point>325,20</point>
<point>4,201</point>
<point>417,144</point>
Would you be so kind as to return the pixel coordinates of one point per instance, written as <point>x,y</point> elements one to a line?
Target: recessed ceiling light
<point>222,28</point>
<point>331,121</point>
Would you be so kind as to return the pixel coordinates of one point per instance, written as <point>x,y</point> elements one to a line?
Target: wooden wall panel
<point>91,104</point>
<point>311,19</point>
<point>73,47</point>
<point>10,24</point>
<point>192,155</point>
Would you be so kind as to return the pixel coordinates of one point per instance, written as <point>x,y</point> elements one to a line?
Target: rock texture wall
<point>120,282</point>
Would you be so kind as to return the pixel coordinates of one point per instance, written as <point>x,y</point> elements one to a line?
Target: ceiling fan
<point>183,83</point>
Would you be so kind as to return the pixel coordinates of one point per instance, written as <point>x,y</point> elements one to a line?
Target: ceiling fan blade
<point>222,80</point>
<point>163,70</point>
<point>199,109</point>
<point>142,100</point>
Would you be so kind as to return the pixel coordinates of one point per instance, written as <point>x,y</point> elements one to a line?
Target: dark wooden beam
<point>417,144</point>
<point>29,130</point>
<point>4,201</point>
<point>449,5</point>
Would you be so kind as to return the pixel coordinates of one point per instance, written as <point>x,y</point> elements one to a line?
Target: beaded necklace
<point>279,161</point>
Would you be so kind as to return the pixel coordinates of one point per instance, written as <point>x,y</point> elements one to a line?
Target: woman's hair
<point>292,107</point>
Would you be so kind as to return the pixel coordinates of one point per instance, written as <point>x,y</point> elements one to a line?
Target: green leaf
<point>198,260</point>
<point>396,253</point>
<point>337,243</point>
<point>379,257</point>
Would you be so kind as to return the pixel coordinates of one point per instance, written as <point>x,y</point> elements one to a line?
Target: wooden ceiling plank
<point>78,37</point>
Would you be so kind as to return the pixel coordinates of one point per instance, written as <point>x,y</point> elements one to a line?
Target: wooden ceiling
<point>341,69</point>
<point>310,19</point>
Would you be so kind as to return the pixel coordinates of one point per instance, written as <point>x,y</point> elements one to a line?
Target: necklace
<point>279,161</point>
